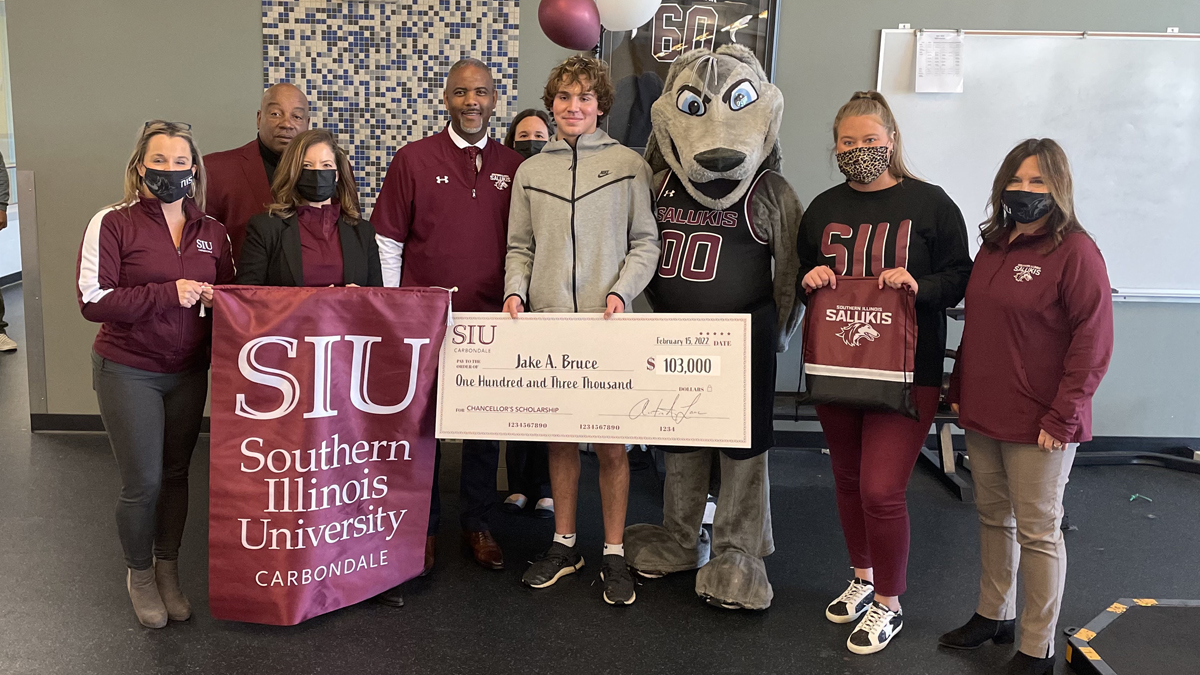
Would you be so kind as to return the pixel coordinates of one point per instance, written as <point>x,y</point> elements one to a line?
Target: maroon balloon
<point>574,24</point>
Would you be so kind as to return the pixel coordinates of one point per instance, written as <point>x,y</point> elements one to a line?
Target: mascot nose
<point>720,160</point>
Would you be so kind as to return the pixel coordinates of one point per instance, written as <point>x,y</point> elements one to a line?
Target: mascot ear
<point>654,156</point>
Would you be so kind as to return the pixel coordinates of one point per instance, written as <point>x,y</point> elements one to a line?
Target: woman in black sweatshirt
<point>882,222</point>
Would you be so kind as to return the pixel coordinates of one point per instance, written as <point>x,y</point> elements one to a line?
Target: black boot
<point>978,631</point>
<point>1024,664</point>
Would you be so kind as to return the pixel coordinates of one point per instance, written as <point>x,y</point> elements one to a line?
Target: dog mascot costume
<point>726,217</point>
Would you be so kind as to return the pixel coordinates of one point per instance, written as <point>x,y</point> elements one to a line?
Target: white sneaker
<point>7,344</point>
<point>876,630</point>
<point>851,603</point>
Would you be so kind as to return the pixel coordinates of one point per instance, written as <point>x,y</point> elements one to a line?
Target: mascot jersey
<point>712,260</point>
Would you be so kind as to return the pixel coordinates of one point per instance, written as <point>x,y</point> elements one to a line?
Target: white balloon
<point>623,15</point>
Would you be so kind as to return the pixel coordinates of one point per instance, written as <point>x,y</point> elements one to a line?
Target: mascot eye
<point>741,95</point>
<point>689,102</point>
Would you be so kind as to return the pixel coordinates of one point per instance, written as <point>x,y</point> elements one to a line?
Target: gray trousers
<point>1018,493</point>
<point>153,420</point>
<point>742,521</point>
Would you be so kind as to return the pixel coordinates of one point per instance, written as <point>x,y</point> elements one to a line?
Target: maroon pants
<point>873,455</point>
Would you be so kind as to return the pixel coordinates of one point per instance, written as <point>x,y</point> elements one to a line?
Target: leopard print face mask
<point>865,163</point>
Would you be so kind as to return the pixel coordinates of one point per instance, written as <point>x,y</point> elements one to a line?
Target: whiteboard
<point>1125,109</point>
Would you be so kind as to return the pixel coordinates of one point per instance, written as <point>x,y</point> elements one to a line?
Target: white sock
<point>614,549</point>
<point>565,539</point>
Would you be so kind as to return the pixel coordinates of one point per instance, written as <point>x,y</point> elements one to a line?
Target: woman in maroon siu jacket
<point>1036,343</point>
<point>882,222</point>
<point>146,271</point>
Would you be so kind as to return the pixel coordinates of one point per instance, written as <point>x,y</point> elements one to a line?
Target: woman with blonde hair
<point>882,222</point>
<point>1036,343</point>
<point>314,234</point>
<point>145,264</point>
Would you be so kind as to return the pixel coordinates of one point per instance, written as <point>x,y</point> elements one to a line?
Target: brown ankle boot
<point>147,604</point>
<point>166,576</point>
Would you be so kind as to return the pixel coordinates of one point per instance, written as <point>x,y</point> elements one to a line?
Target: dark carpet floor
<point>64,609</point>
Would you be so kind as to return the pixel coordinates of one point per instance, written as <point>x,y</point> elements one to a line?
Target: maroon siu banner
<point>859,346</point>
<point>322,446</point>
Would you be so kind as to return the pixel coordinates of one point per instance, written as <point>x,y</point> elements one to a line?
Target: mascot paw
<point>653,552</point>
<point>734,580</point>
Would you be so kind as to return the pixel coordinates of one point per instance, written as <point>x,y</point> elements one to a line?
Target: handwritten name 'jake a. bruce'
<point>566,362</point>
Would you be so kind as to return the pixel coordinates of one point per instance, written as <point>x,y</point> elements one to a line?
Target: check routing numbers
<point>670,379</point>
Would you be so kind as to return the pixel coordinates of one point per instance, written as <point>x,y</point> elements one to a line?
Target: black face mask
<point>1026,207</point>
<point>317,185</point>
<point>528,148</point>
<point>169,186</point>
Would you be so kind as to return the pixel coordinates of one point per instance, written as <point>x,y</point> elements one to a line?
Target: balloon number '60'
<point>674,35</point>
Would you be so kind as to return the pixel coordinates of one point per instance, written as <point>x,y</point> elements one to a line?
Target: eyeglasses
<point>184,126</point>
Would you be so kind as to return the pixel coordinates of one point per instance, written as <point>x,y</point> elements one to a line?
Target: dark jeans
<point>3,323</point>
<point>477,486</point>
<point>528,465</point>
<point>153,420</point>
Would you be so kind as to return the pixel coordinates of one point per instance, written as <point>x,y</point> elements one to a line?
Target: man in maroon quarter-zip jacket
<point>442,220</point>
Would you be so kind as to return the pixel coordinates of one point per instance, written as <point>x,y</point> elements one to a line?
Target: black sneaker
<point>875,630</point>
<point>851,603</point>
<point>557,562</point>
<point>618,583</point>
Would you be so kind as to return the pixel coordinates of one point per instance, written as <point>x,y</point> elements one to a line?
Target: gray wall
<point>83,82</point>
<point>828,49</point>
<point>85,76</point>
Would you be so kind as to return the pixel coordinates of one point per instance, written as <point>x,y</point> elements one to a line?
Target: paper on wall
<point>939,62</point>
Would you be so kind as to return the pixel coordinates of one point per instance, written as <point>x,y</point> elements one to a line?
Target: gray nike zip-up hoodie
<point>580,227</point>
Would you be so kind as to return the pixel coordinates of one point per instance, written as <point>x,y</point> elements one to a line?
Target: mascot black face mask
<point>865,163</point>
<point>528,148</point>
<point>169,186</point>
<point>1026,207</point>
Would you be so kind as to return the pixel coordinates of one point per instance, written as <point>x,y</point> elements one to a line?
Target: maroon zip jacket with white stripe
<point>1037,340</point>
<point>127,269</point>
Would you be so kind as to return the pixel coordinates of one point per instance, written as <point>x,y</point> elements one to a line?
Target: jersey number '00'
<point>712,260</point>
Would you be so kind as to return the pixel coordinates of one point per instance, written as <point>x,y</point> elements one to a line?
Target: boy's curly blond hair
<point>591,73</point>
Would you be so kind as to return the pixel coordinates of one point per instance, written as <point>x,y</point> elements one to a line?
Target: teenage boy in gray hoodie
<point>581,238</point>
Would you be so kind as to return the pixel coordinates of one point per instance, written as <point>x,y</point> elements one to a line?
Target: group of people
<point>562,218</point>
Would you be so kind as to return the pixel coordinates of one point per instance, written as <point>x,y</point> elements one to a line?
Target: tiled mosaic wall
<point>374,71</point>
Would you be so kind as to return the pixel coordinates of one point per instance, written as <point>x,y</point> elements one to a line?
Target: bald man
<point>239,180</point>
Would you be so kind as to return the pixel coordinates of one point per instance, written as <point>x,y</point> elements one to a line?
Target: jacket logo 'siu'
<point>443,179</point>
<point>855,332</point>
<point>502,180</point>
<point>1023,273</point>
<point>204,246</point>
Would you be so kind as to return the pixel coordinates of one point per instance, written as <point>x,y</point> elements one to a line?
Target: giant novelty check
<point>665,379</point>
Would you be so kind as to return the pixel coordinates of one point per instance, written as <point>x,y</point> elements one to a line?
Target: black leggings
<point>153,420</point>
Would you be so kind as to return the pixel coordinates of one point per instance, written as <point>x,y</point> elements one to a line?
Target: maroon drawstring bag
<point>860,345</point>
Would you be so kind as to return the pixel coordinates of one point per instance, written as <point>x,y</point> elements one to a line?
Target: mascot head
<point>716,123</point>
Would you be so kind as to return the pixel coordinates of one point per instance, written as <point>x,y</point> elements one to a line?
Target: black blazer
<point>270,255</point>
